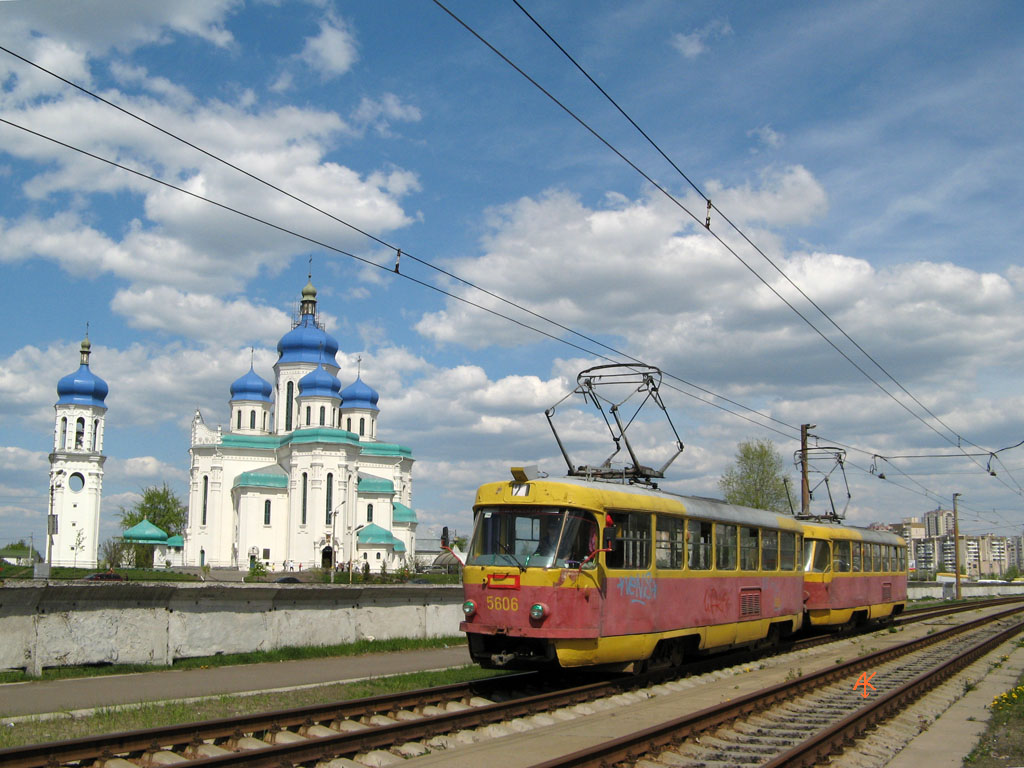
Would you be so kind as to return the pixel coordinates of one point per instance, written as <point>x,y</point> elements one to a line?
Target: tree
<point>757,478</point>
<point>163,509</point>
<point>112,552</point>
<point>79,544</point>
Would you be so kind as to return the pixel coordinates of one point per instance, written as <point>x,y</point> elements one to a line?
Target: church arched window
<point>348,424</point>
<point>95,433</point>
<point>238,421</point>
<point>330,496</point>
<point>308,412</point>
<point>206,496</point>
<point>266,512</point>
<point>305,494</point>
<point>80,433</point>
<point>369,513</point>
<point>252,419</point>
<point>362,427</point>
<point>323,415</point>
<point>288,408</point>
<point>64,433</point>
<point>264,421</point>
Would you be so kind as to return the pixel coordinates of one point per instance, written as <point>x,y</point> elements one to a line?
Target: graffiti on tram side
<point>639,589</point>
<point>716,601</point>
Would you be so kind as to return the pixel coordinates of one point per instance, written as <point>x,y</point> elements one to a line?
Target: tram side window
<point>632,546</point>
<point>725,547</point>
<point>670,542</point>
<point>841,556</point>
<point>903,559</point>
<point>855,556</point>
<point>817,557</point>
<point>769,550</point>
<point>748,548</point>
<point>876,557</point>
<point>698,542</point>
<point>787,550</point>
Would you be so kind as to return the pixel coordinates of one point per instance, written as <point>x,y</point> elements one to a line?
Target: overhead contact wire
<point>740,232</point>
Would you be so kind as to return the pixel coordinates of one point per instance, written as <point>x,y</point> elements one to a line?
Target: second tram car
<point>852,575</point>
<point>575,572</point>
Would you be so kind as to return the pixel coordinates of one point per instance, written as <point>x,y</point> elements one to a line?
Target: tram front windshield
<point>534,537</point>
<point>817,558</point>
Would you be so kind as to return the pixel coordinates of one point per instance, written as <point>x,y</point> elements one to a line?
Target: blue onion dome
<point>83,387</point>
<point>251,386</point>
<point>359,395</point>
<point>304,342</point>
<point>319,383</point>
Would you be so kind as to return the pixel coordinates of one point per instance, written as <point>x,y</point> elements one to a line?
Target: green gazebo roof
<point>144,533</point>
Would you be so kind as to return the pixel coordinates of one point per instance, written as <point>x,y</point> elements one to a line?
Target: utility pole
<point>805,487</point>
<point>956,544</point>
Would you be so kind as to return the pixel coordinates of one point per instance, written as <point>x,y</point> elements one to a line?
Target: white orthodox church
<point>76,467</point>
<point>298,478</point>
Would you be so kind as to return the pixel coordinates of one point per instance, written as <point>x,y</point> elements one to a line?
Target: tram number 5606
<point>496,603</point>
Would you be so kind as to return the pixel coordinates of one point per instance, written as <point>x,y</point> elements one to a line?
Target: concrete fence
<point>60,624</point>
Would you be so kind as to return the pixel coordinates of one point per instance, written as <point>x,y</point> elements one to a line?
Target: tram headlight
<point>538,611</point>
<point>469,608</point>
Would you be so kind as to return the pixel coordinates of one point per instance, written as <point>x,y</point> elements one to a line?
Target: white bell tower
<point>76,468</point>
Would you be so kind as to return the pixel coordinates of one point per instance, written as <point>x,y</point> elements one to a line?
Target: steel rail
<point>831,740</point>
<point>348,744</point>
<point>633,746</point>
<point>87,747</point>
<point>191,734</point>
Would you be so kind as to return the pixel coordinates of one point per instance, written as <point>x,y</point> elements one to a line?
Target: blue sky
<point>872,150</point>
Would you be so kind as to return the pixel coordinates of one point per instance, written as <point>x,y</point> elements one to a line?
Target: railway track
<point>407,724</point>
<point>803,721</point>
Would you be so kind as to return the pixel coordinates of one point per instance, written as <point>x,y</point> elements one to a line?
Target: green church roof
<point>403,514</point>
<point>270,476</point>
<point>373,484</point>
<point>374,534</point>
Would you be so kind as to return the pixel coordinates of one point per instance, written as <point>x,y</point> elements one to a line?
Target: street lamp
<point>956,544</point>
<point>352,547</point>
<point>51,519</point>
<point>334,540</point>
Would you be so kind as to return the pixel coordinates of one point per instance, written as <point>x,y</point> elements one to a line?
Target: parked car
<point>104,576</point>
<point>287,580</point>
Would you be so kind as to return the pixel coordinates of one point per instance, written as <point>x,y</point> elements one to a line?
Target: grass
<point>291,653</point>
<point>161,714</point>
<point>69,574</point>
<point>1002,744</point>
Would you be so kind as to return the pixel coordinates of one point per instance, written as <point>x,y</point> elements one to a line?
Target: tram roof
<point>612,497</point>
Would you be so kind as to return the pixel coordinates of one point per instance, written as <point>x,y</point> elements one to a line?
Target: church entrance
<point>326,558</point>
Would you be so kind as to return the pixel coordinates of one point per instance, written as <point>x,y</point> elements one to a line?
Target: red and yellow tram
<point>852,575</point>
<point>575,572</point>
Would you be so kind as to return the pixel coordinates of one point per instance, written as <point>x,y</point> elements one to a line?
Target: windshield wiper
<point>515,559</point>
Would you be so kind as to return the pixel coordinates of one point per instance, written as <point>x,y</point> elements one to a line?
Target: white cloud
<point>693,44</point>
<point>379,113</point>
<point>768,136</point>
<point>199,316</point>
<point>147,469</point>
<point>333,51</point>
